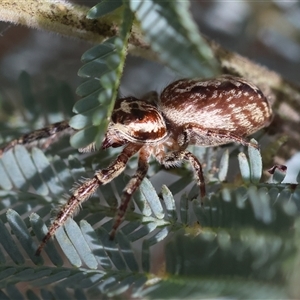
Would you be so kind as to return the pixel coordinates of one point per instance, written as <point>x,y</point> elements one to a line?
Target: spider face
<point>136,121</point>
<point>200,112</point>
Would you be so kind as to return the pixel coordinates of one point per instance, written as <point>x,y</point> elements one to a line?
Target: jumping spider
<point>188,112</point>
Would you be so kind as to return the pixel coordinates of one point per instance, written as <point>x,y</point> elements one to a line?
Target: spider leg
<point>50,133</point>
<point>197,135</point>
<point>86,189</point>
<point>130,188</point>
<point>231,136</point>
<point>175,157</point>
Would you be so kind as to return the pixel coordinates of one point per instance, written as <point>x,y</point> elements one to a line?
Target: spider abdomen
<point>226,103</point>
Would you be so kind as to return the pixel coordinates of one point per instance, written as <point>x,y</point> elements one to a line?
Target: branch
<point>70,20</point>
<point>58,16</point>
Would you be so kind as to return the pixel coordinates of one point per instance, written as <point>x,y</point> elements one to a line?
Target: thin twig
<point>58,16</point>
<point>70,20</point>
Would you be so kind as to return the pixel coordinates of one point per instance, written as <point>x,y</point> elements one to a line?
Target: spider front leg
<point>130,188</point>
<point>49,134</point>
<point>86,189</point>
<point>175,157</point>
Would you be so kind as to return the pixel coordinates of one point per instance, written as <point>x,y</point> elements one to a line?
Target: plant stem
<point>65,18</point>
<point>58,16</point>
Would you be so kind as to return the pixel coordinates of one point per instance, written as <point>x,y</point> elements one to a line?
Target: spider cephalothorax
<point>137,121</point>
<point>199,112</point>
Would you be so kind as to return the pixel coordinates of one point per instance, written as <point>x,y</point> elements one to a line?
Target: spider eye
<point>119,117</point>
<point>114,118</point>
<point>138,114</point>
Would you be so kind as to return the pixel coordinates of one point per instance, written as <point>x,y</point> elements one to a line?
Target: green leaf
<point>68,248</point>
<point>151,196</point>
<point>223,167</point>
<point>87,87</point>
<point>232,252</point>
<point>111,249</point>
<point>103,8</point>
<point>255,163</point>
<point>103,50</point>
<point>9,245</point>
<point>95,69</point>
<point>84,137</point>
<point>89,102</point>
<point>75,235</point>
<point>142,232</point>
<point>26,164</point>
<point>29,102</point>
<point>13,171</point>
<point>169,29</point>
<point>204,288</point>
<point>298,177</point>
<point>169,203</point>
<point>103,64</point>
<point>183,209</point>
<point>44,168</point>
<point>278,174</point>
<point>127,251</point>
<point>95,244</point>
<point>244,167</point>
<point>40,231</point>
<point>20,230</point>
<point>5,182</point>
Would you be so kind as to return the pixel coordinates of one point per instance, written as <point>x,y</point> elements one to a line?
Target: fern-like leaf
<point>103,8</point>
<point>169,29</point>
<point>103,66</point>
